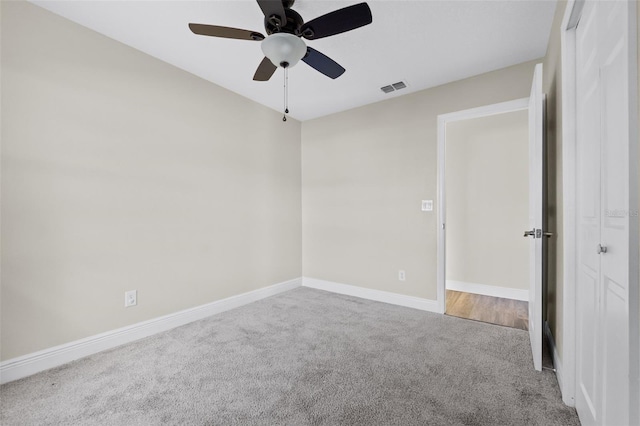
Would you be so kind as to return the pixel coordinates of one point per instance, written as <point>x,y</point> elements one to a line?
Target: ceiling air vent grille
<point>393,87</point>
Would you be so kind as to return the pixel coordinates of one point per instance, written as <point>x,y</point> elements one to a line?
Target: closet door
<point>602,287</point>
<point>614,238</point>
<point>588,336</point>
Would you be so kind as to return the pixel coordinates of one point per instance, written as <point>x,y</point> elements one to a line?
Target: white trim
<point>486,110</point>
<point>36,362</point>
<point>443,120</point>
<point>371,294</point>
<point>569,153</point>
<point>557,364</point>
<point>488,290</point>
<point>634,225</point>
<point>441,276</point>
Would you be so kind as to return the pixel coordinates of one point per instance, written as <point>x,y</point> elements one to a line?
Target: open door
<point>536,194</point>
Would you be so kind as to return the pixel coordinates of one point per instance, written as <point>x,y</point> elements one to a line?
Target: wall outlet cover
<point>427,205</point>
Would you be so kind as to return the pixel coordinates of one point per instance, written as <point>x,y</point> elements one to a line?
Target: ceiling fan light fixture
<point>283,49</point>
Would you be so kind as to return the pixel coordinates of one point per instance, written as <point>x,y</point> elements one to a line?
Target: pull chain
<point>286,94</point>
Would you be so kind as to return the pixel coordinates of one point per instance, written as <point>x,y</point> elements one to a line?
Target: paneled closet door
<point>588,356</point>
<point>614,262</point>
<point>602,287</point>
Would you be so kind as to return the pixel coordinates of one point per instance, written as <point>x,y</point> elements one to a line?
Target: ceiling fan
<point>285,27</point>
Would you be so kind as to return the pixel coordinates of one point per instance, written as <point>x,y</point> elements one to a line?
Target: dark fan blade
<point>265,70</point>
<point>338,21</point>
<point>323,63</point>
<point>225,32</point>
<point>273,9</point>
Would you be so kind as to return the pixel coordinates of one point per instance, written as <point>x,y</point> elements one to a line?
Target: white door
<point>536,194</point>
<point>588,217</point>
<point>602,287</point>
<point>614,263</point>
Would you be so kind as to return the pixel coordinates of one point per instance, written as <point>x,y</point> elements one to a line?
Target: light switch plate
<point>130,298</point>
<point>427,205</point>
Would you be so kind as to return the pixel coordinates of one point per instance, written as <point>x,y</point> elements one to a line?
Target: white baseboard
<point>36,362</point>
<point>557,364</point>
<point>377,295</point>
<point>488,290</point>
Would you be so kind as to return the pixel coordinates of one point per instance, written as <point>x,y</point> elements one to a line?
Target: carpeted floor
<point>304,357</point>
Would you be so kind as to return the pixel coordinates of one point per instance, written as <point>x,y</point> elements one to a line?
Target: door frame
<point>567,370</point>
<point>443,120</point>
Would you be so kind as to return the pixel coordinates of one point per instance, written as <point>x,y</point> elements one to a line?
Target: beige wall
<point>552,83</point>
<point>121,172</point>
<point>364,172</point>
<point>487,190</point>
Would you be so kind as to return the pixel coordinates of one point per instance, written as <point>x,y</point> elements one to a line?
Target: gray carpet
<point>304,357</point>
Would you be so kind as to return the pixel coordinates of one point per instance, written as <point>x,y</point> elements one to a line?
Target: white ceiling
<point>424,43</point>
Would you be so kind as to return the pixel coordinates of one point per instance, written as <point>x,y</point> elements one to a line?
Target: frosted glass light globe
<point>283,49</point>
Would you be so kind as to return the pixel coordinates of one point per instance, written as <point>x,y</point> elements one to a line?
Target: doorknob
<point>602,249</point>
<point>531,233</point>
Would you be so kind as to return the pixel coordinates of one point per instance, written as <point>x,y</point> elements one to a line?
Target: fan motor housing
<point>292,26</point>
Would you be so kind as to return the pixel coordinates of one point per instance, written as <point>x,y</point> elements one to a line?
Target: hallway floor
<point>494,310</point>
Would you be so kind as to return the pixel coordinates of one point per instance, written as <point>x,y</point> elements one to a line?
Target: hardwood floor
<point>495,310</point>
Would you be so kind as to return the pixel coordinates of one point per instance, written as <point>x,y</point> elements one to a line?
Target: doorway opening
<point>534,105</point>
<point>487,210</point>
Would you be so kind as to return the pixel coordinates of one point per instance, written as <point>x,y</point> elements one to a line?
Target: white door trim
<point>569,153</point>
<point>634,204</point>
<point>568,60</point>
<point>443,119</point>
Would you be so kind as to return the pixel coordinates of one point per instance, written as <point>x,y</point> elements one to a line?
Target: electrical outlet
<point>130,298</point>
<point>401,275</point>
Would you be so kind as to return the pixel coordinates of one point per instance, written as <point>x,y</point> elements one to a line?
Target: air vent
<point>393,87</point>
